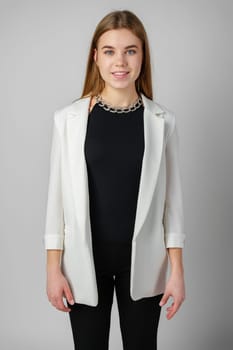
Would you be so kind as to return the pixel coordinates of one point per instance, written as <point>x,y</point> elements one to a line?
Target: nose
<point>121,59</point>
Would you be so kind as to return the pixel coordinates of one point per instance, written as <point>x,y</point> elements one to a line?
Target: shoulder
<point>70,110</point>
<point>63,112</point>
<point>167,114</point>
<point>160,110</point>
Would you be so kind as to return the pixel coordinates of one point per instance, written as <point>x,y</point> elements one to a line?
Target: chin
<point>122,85</point>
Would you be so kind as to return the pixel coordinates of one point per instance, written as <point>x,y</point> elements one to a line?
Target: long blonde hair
<point>93,83</point>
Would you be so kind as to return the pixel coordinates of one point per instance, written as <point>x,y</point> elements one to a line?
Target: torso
<point>114,147</point>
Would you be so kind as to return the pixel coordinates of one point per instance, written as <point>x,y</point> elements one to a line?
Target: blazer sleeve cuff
<point>53,242</point>
<point>175,240</point>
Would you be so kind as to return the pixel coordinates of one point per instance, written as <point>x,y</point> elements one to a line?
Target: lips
<point>120,74</point>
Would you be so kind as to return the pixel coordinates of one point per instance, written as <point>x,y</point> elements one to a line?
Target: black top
<point>114,148</point>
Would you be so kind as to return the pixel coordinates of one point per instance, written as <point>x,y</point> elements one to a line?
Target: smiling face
<point>119,58</point>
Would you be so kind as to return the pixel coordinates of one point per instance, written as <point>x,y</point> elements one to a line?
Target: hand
<point>57,287</point>
<point>175,288</point>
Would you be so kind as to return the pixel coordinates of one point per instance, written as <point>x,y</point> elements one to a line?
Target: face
<point>119,58</point>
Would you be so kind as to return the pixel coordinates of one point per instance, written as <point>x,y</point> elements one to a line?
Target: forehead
<point>118,38</point>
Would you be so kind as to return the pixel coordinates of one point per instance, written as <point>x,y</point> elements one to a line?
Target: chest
<point>114,139</point>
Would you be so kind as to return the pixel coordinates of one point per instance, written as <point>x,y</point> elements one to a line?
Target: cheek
<point>137,64</point>
<point>104,65</point>
<point>137,61</point>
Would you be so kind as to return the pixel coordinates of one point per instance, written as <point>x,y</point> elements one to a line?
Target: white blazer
<point>159,220</point>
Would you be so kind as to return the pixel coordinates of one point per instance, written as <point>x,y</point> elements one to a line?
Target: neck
<point>119,97</point>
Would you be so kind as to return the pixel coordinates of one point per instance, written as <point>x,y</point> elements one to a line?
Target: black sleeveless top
<point>114,148</point>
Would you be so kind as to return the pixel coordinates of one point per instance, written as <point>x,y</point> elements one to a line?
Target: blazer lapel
<point>154,137</point>
<point>75,137</point>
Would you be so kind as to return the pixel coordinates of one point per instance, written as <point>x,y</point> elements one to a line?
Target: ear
<point>95,55</point>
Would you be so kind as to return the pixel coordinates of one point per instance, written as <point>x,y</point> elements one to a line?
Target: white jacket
<point>159,221</point>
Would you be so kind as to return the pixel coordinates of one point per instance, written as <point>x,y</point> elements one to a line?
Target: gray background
<point>44,47</point>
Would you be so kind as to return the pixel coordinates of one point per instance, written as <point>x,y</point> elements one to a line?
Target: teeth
<point>123,73</point>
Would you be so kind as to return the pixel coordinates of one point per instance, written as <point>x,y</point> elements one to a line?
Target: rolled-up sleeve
<point>173,219</point>
<point>54,225</point>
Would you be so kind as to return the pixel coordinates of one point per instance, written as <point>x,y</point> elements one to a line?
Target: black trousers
<point>138,319</point>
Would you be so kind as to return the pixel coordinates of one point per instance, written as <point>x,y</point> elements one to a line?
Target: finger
<point>68,295</point>
<point>164,299</point>
<point>173,309</point>
<point>62,307</point>
<point>59,304</point>
<point>169,308</point>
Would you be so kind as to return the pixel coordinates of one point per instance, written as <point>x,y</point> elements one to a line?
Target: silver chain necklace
<point>108,107</point>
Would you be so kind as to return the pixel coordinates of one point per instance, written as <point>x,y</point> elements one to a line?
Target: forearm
<point>176,260</point>
<point>53,259</point>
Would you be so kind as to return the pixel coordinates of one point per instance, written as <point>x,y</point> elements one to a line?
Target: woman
<point>115,212</point>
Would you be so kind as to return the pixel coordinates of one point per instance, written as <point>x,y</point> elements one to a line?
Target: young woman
<point>114,211</point>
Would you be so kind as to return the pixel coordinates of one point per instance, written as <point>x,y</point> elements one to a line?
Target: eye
<point>132,51</point>
<point>107,51</point>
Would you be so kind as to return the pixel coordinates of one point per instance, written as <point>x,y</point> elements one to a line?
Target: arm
<point>57,285</point>
<point>53,260</point>
<point>174,224</point>
<point>176,260</point>
<point>54,227</point>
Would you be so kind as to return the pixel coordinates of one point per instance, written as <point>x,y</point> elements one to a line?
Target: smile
<point>120,75</point>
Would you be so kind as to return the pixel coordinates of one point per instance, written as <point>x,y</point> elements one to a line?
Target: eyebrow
<point>111,47</point>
